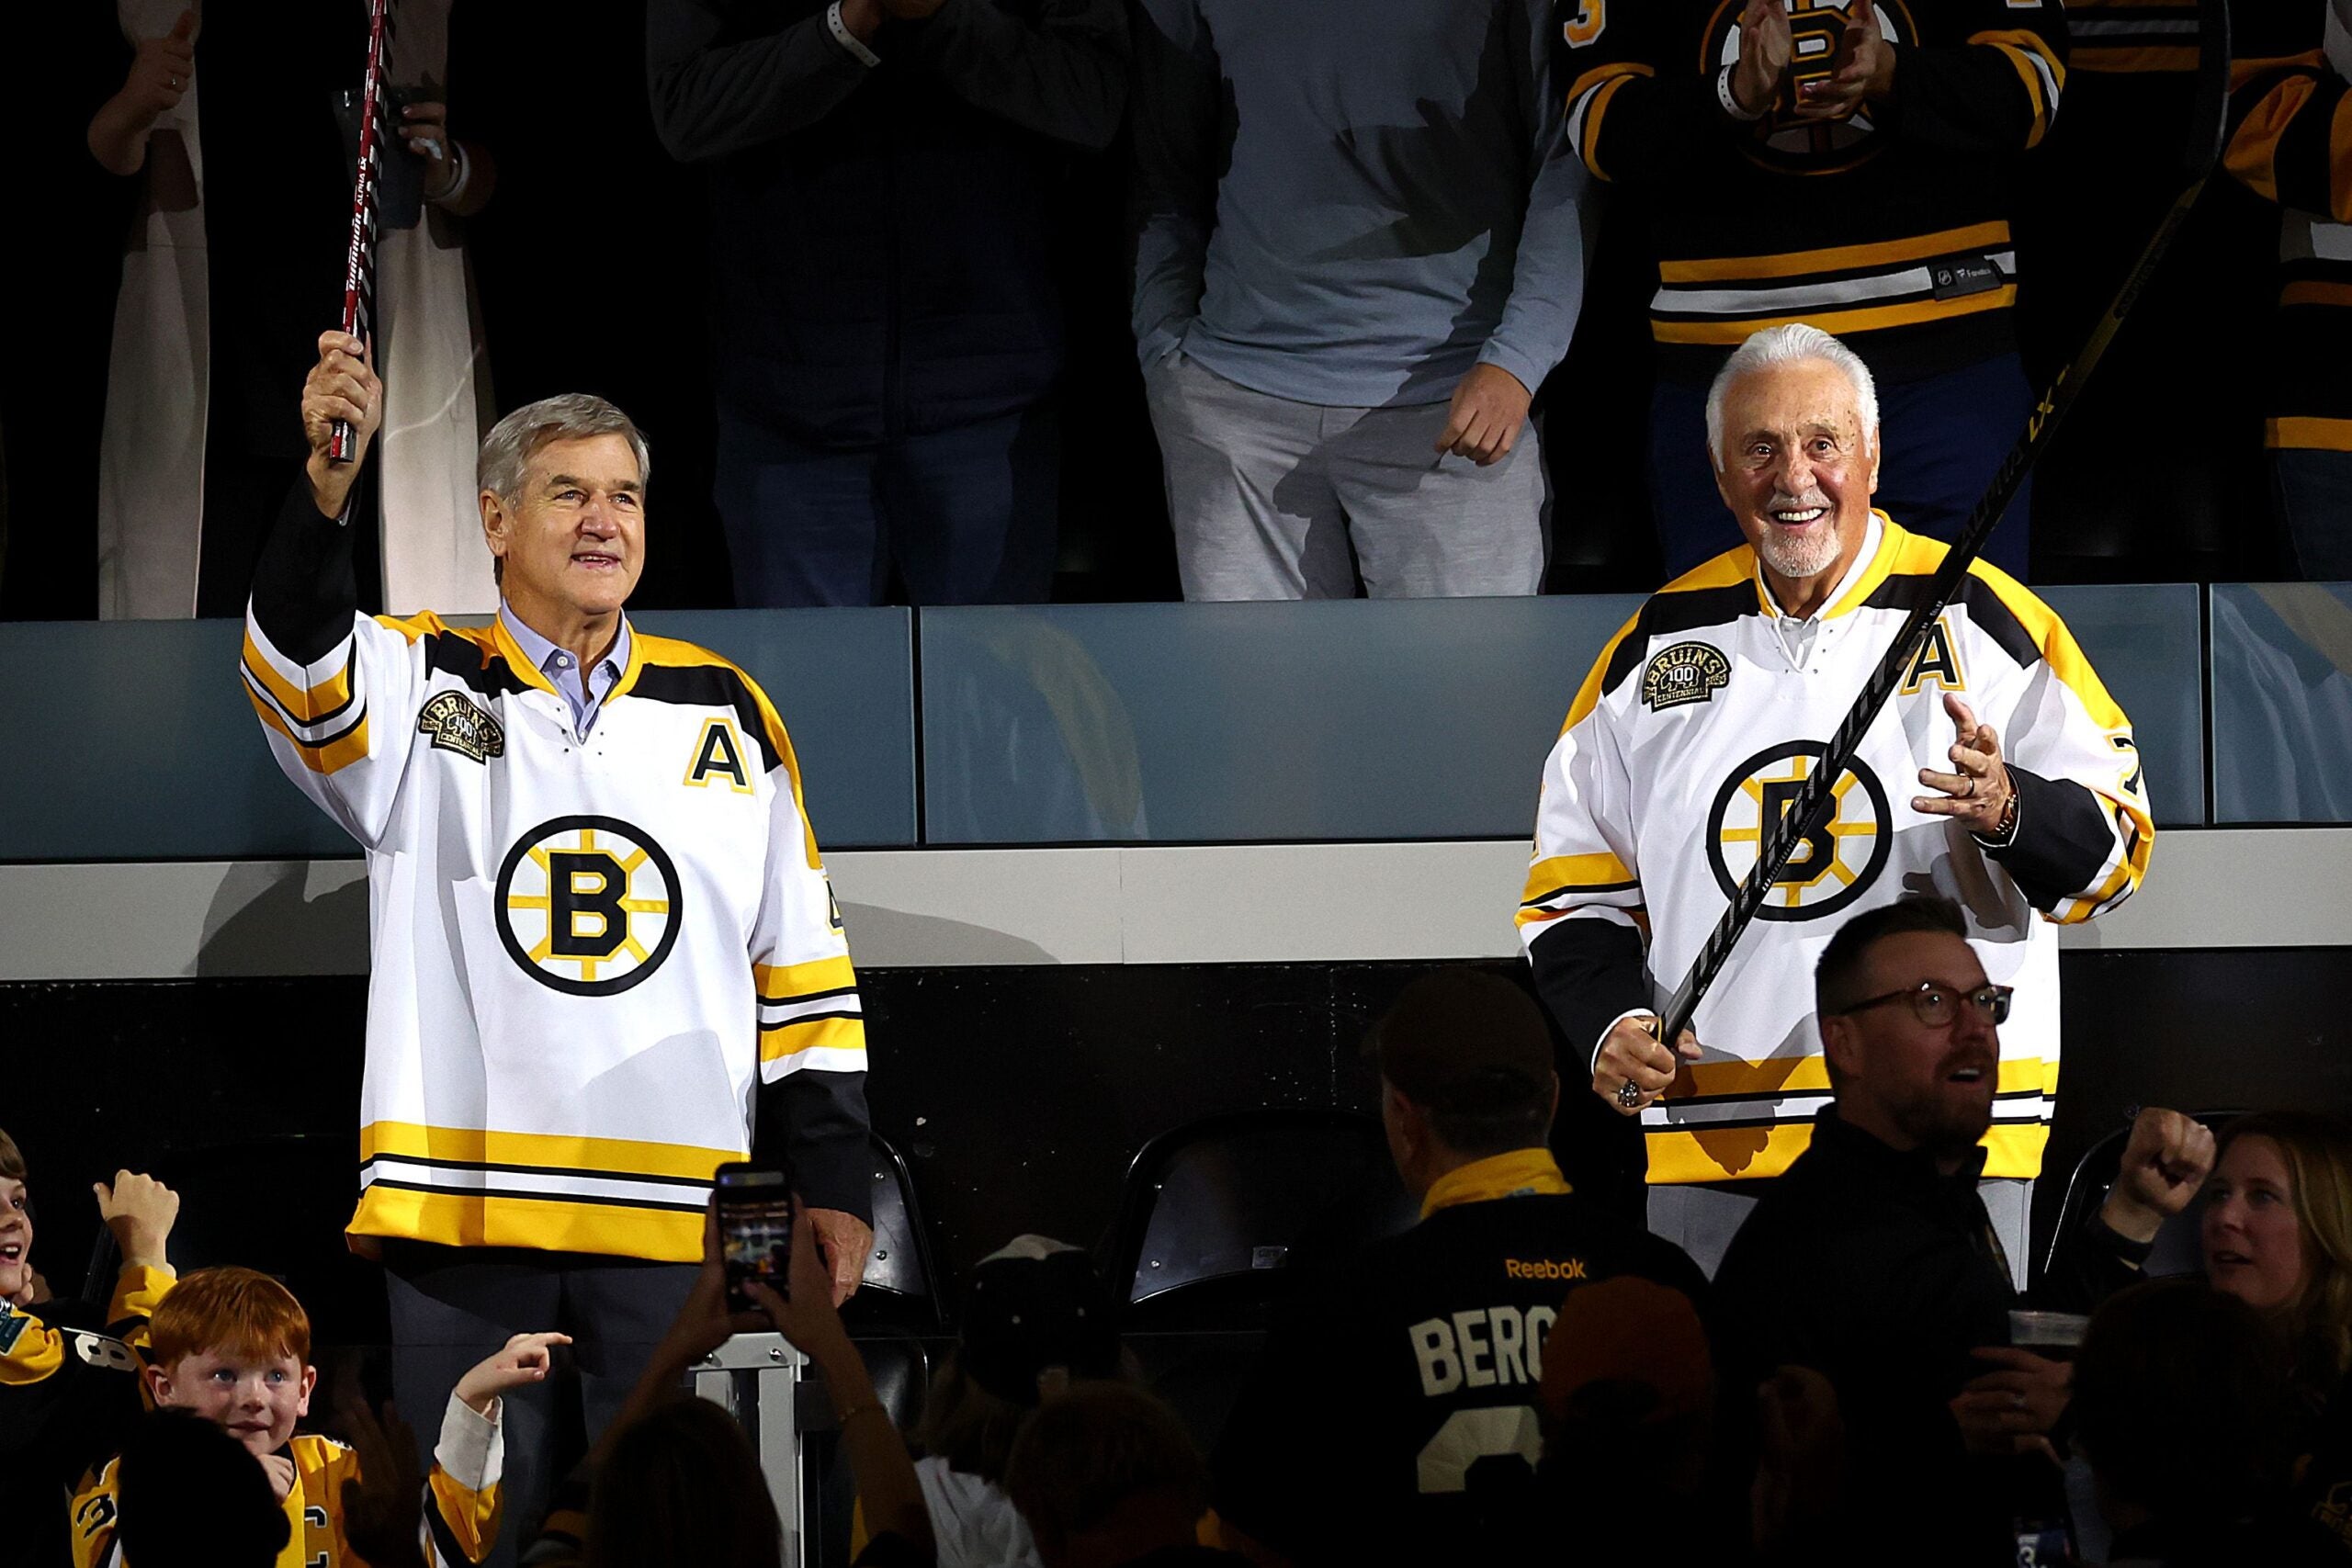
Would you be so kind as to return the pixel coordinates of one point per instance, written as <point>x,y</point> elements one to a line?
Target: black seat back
<point>1214,1212</point>
<point>2177,1249</point>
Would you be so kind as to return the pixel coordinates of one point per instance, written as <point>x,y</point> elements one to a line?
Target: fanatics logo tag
<point>1687,673</point>
<point>1953,277</point>
<point>456,724</point>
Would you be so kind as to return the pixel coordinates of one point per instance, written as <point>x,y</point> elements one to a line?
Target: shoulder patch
<point>456,724</point>
<point>1686,672</point>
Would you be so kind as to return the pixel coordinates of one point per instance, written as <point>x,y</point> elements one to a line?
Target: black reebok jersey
<point>1393,1417</point>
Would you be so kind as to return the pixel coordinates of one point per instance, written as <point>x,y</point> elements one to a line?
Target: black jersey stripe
<point>1985,612</point>
<point>1682,610</point>
<point>481,670</point>
<point>501,1192</point>
<point>709,686</point>
<point>489,1167</point>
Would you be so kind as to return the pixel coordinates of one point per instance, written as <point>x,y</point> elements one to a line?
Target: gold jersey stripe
<point>1749,1154</point>
<point>552,1224</point>
<point>1789,1076</point>
<point>2308,434</point>
<point>812,1034</point>
<point>1869,318</point>
<point>2123,59</point>
<point>1562,873</point>
<point>1838,258</point>
<point>618,1156</point>
<point>783,982</point>
<point>2311,292</point>
<point>305,702</point>
<point>344,749</point>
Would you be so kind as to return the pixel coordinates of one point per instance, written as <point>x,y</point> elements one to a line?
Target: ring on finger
<point>1629,1095</point>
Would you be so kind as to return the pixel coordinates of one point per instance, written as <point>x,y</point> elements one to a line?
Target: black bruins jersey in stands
<point>2291,143</point>
<point>1889,229</point>
<point>1392,1418</point>
<point>69,1392</point>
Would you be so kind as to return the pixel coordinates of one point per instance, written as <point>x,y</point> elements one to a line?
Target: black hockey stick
<point>359,256</point>
<point>1807,811</point>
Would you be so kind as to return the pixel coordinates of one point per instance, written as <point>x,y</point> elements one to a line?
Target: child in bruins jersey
<point>233,1346</point>
<point>68,1371</point>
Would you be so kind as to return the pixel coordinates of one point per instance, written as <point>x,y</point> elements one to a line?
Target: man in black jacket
<point>886,179</point>
<point>1874,1262</point>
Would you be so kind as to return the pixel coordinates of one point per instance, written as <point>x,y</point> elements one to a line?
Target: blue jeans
<point>1943,434</point>
<point>968,515</point>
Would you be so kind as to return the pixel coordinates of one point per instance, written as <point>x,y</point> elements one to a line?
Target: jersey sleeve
<point>95,1511</point>
<point>1637,107</point>
<point>1997,92</point>
<point>2290,115</point>
<point>2085,832</point>
<point>1581,919</point>
<point>812,1026</point>
<point>337,692</point>
<point>462,1501</point>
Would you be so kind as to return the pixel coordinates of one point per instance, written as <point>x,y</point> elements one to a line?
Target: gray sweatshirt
<point>1351,202</point>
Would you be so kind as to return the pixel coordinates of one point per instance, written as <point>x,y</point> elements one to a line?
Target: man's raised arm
<point>313,667</point>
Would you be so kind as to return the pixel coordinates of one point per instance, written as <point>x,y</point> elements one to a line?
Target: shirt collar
<point>1872,537</point>
<point>541,652</point>
<point>1514,1174</point>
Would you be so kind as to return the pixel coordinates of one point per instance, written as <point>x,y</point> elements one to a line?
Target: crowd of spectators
<point>1394,286</point>
<point>1520,1375</point>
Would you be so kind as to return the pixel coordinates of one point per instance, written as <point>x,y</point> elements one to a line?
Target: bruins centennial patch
<point>456,724</point>
<point>1687,673</point>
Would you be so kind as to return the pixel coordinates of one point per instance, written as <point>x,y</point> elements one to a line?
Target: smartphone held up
<point>755,1219</point>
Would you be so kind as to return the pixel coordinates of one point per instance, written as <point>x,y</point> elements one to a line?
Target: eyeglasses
<point>1937,1004</point>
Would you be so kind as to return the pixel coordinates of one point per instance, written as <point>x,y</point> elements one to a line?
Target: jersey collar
<point>1881,543</point>
<point>1514,1174</point>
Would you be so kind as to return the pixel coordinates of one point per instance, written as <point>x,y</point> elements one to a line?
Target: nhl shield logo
<point>1687,673</point>
<point>456,724</point>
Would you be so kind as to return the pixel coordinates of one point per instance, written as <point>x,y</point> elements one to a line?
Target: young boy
<point>68,1391</point>
<point>233,1346</point>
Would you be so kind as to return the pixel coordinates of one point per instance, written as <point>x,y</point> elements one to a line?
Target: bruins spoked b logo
<point>1833,864</point>
<point>588,905</point>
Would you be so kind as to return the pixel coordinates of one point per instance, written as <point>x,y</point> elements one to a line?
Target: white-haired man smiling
<point>2001,775</point>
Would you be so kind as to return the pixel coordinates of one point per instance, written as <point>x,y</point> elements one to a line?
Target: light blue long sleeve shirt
<point>585,690</point>
<point>1351,202</point>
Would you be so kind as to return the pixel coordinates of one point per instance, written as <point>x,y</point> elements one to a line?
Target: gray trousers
<point>1278,500</point>
<point>1702,1217</point>
<point>451,1306</point>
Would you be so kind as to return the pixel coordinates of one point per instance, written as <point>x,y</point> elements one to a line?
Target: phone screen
<point>754,1230</point>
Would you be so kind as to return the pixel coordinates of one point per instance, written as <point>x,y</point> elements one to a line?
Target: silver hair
<point>1790,345</point>
<point>506,451</point>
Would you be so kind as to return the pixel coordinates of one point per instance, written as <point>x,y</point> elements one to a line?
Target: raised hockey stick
<point>359,256</point>
<point>1807,811</point>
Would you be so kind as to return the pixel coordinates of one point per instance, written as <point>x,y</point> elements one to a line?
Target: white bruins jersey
<point>586,956</point>
<point>1693,732</point>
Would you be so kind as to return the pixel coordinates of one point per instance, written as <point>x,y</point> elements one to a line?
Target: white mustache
<point>1811,498</point>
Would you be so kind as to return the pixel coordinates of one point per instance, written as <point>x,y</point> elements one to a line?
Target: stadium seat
<point>2177,1250</point>
<point>900,1290</point>
<point>1216,1217</point>
<point>1214,1212</point>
